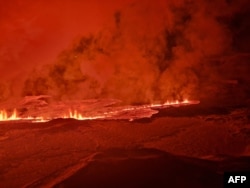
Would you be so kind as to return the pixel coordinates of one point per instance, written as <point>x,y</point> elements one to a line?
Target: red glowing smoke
<point>136,51</point>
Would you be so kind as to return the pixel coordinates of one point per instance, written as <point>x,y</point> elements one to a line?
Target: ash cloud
<point>150,51</point>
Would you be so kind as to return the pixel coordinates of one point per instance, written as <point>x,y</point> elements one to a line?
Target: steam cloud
<point>151,51</point>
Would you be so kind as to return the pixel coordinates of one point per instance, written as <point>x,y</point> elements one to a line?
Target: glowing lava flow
<point>175,103</point>
<point>112,113</point>
<point>14,117</point>
<point>4,116</point>
<point>76,115</point>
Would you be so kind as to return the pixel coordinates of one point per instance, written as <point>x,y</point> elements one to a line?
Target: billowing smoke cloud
<point>150,51</point>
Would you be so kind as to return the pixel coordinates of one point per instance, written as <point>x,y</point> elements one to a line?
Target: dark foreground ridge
<point>142,168</point>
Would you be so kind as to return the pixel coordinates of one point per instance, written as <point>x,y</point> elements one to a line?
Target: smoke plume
<point>148,51</point>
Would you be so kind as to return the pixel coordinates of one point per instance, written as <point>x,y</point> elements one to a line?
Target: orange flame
<point>76,115</point>
<point>4,115</point>
<point>14,117</point>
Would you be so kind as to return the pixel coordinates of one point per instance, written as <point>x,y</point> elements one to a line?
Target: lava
<point>14,117</point>
<point>4,115</point>
<point>113,113</point>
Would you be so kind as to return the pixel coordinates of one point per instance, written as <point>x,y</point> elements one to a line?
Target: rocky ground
<point>179,146</point>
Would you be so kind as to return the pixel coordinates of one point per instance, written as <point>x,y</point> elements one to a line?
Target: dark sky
<point>134,50</point>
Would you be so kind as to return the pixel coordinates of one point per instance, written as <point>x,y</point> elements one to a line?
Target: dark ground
<point>188,146</point>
